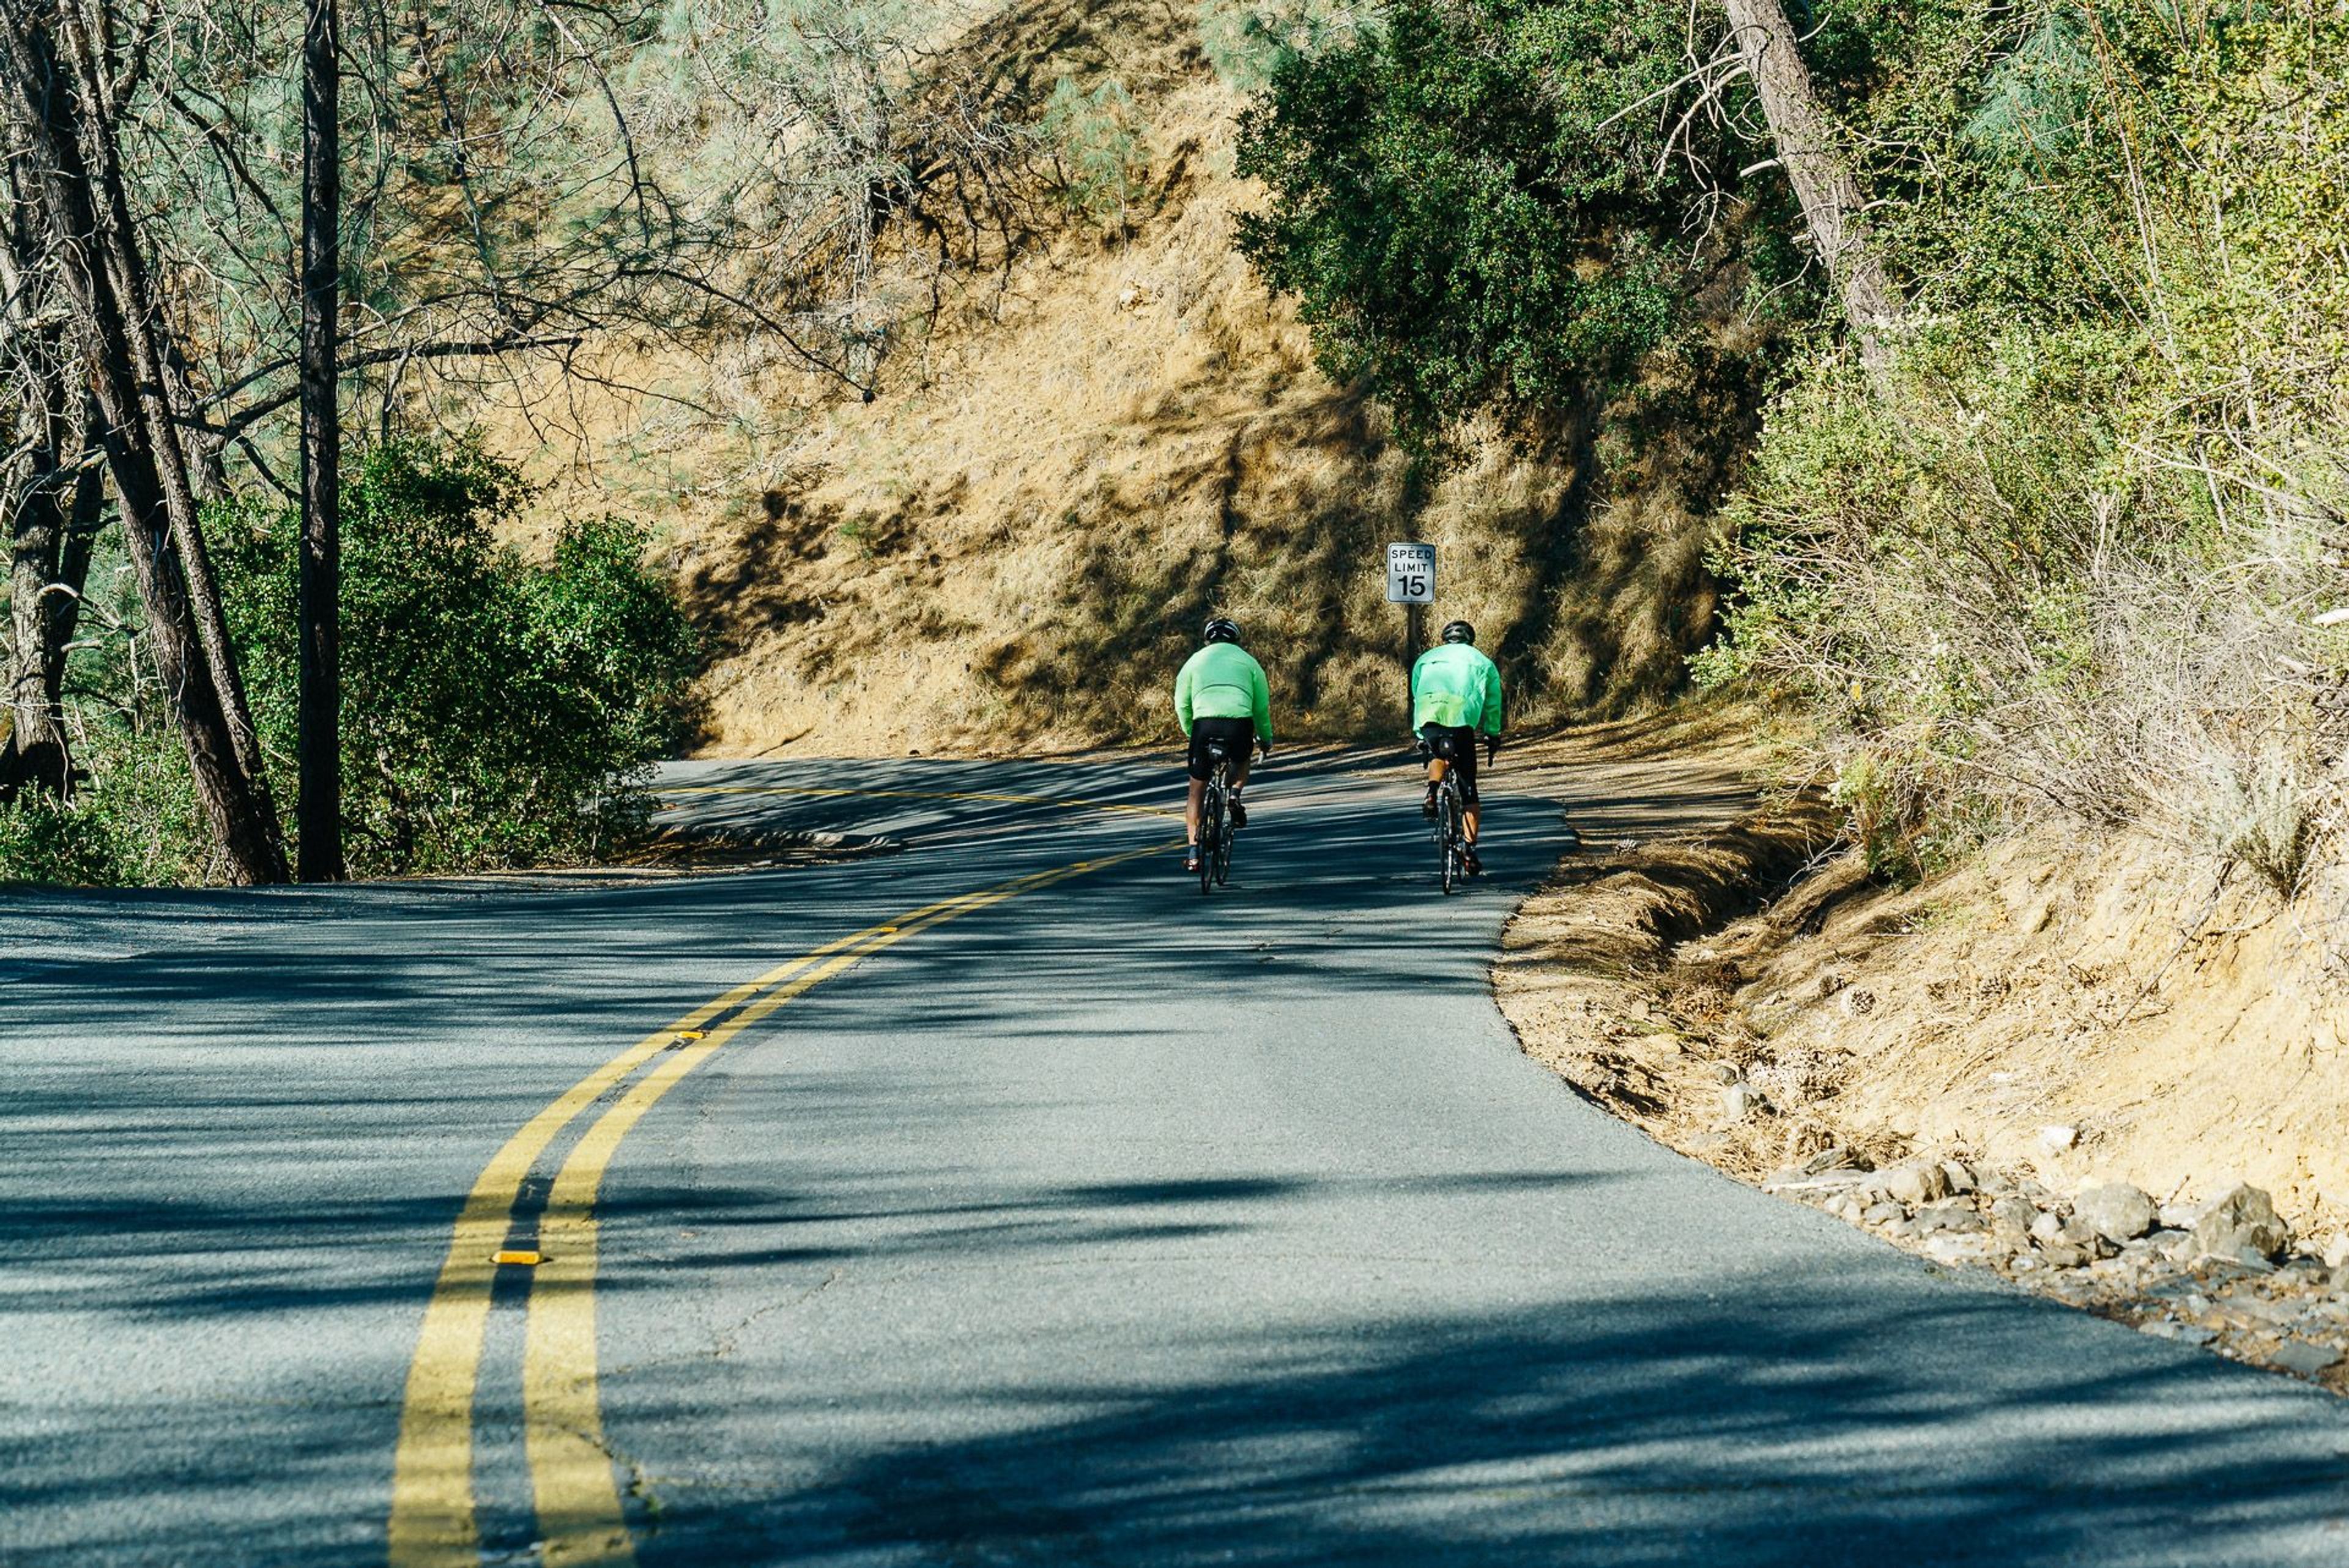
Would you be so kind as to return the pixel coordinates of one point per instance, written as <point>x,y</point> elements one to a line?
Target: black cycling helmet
<point>1223,629</point>
<point>1460,632</point>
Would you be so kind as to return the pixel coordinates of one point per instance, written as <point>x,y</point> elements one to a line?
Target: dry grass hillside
<point>1019,536</point>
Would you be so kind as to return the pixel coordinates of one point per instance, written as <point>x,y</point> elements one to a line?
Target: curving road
<point>1080,1221</point>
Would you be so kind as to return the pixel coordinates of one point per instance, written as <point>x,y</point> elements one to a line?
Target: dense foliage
<point>495,711</point>
<point>2074,560</point>
<point>1482,202</point>
<point>133,821</point>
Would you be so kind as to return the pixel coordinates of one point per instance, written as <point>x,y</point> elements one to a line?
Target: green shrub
<point>2074,564</point>
<point>1249,41</point>
<point>1471,203</point>
<point>1095,143</point>
<point>495,712</point>
<point>42,840</point>
<point>133,820</point>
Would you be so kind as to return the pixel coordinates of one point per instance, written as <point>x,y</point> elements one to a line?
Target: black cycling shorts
<point>1457,744</point>
<point>1236,736</point>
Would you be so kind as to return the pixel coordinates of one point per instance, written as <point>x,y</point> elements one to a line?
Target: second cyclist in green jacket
<point>1221,695</point>
<point>1455,693</point>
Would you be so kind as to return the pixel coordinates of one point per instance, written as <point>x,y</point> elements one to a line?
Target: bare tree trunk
<point>52,97</point>
<point>118,247</point>
<point>319,809</point>
<point>52,500</point>
<point>35,750</point>
<point>1823,183</point>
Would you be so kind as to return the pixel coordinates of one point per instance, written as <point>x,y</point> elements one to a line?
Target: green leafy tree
<point>1096,146</point>
<point>1482,202</point>
<point>1247,40</point>
<point>495,712</point>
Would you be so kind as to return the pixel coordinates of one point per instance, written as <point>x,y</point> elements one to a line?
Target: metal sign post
<point>1411,582</point>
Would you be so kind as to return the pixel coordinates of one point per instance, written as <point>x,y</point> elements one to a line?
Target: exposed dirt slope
<point>1018,538</point>
<point>2052,1033</point>
<point>2182,1020</point>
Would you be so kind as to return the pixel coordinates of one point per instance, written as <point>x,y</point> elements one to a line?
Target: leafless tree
<point>49,496</point>
<point>62,79</point>
<point>485,184</point>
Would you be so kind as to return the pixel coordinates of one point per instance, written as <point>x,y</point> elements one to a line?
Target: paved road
<point>1094,1224</point>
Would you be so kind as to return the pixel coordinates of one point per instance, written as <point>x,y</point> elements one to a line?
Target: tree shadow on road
<point>1761,1425</point>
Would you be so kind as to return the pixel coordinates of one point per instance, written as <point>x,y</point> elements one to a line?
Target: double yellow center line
<point>433,1522</point>
<point>993,797</point>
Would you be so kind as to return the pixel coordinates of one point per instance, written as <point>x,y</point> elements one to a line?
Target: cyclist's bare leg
<point>1190,812</point>
<point>1468,816</point>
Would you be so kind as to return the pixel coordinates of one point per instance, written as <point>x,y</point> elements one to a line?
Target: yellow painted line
<point>432,1467</point>
<point>432,1514</point>
<point>1073,803</point>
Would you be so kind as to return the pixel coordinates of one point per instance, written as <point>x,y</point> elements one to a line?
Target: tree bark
<point>138,316</point>
<point>54,85</point>
<point>54,505</point>
<point>37,503</point>
<point>319,809</point>
<point>1822,182</point>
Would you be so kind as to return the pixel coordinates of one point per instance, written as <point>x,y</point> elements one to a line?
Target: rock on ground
<point>2117,1212</point>
<point>2243,1225</point>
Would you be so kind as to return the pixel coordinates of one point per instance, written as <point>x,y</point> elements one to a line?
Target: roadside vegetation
<point>2045,522</point>
<point>499,710</point>
<point>502,710</point>
<point>2077,558</point>
<point>237,238</point>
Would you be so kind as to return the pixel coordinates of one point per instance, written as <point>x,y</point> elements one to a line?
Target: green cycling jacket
<point>1455,686</point>
<point>1223,681</point>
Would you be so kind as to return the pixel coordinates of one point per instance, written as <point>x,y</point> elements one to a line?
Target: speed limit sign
<point>1410,573</point>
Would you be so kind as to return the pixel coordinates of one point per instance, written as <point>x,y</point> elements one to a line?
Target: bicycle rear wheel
<point>1213,832</point>
<point>1447,837</point>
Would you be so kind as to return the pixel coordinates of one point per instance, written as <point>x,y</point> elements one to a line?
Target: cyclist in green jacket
<point>1455,692</point>
<point>1221,695</point>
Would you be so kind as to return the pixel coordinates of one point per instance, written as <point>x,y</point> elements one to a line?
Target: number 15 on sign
<point>1410,573</point>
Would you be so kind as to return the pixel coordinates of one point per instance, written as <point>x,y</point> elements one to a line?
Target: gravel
<point>2198,1276</point>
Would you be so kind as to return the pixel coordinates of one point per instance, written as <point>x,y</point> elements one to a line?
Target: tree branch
<point>235,425</point>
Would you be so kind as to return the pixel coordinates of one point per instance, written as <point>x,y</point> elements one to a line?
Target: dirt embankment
<point>2066,1070</point>
<point>1018,539</point>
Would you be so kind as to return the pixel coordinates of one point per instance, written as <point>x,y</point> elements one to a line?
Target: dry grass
<point>1018,540</point>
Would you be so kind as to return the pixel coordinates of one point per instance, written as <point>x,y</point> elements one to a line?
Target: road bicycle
<point>1451,831</point>
<point>1215,820</point>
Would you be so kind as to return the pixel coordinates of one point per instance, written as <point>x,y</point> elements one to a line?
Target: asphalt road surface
<point>996,1201</point>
